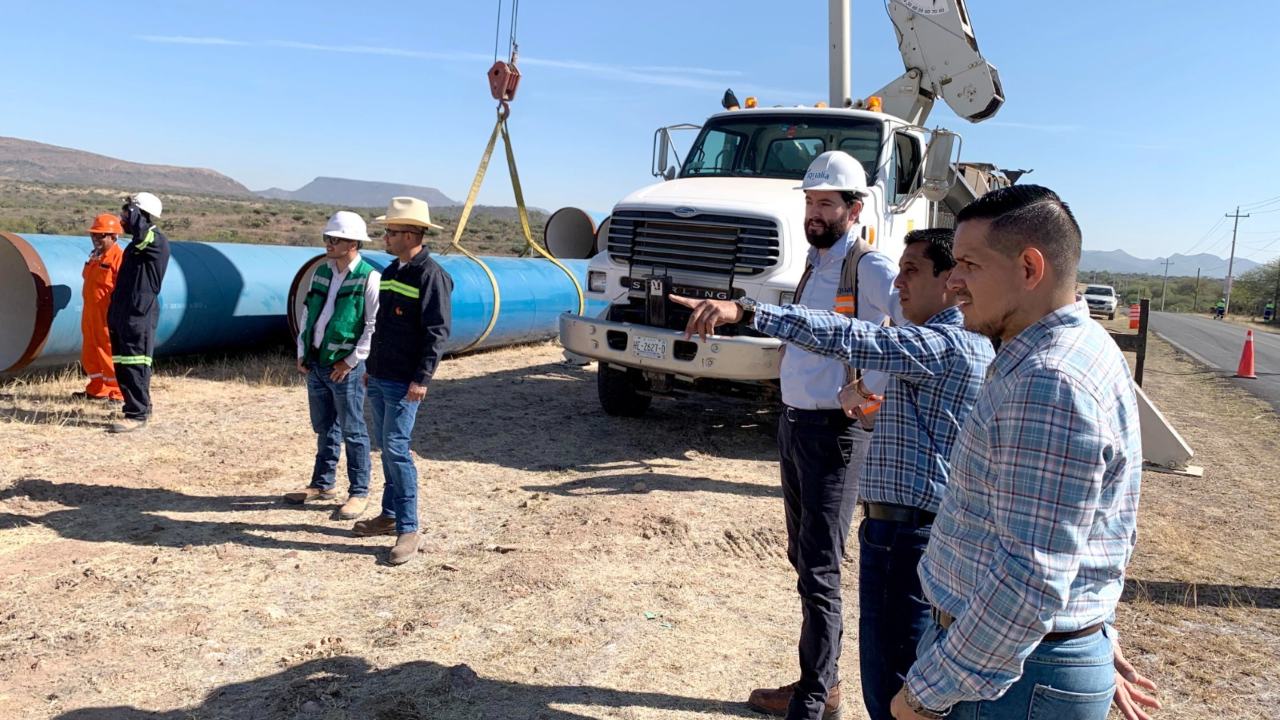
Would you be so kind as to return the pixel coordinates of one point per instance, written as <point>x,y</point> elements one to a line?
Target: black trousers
<point>814,448</point>
<point>133,342</point>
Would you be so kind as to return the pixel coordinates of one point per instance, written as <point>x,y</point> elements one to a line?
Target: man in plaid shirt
<point>1027,556</point>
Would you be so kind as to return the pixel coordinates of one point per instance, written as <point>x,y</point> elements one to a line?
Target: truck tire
<point>618,394</point>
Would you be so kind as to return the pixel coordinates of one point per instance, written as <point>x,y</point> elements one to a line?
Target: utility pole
<point>1195,304</point>
<point>1231,262</point>
<point>1164,282</point>
<point>1276,301</point>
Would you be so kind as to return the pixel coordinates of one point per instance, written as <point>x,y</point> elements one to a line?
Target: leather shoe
<point>405,549</point>
<point>127,425</point>
<point>308,494</point>
<point>380,525</point>
<point>774,701</point>
<point>353,508</point>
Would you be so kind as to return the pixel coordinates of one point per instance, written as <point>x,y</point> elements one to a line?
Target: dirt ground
<point>575,565</point>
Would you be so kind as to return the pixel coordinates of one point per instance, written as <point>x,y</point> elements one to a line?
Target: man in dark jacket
<point>135,308</point>
<point>408,340</point>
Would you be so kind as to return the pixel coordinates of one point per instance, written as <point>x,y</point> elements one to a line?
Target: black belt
<point>898,513</point>
<point>834,417</point>
<point>944,621</point>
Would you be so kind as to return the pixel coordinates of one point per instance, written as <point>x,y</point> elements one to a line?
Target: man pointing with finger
<point>820,447</point>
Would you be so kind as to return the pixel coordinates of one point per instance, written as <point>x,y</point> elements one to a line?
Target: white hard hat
<point>835,170</point>
<point>348,226</point>
<point>147,203</point>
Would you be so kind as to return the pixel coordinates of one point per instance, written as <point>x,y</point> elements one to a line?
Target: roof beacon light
<point>751,102</point>
<point>875,104</point>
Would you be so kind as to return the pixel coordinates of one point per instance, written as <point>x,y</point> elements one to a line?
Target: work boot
<point>381,525</point>
<point>406,547</point>
<point>127,425</point>
<point>774,701</point>
<point>308,494</point>
<point>353,508</point>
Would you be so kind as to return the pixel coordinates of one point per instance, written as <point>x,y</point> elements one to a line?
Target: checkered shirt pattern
<point>1040,515</point>
<point>936,371</point>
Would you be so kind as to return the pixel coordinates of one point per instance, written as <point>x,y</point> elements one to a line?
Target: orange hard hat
<point>106,223</point>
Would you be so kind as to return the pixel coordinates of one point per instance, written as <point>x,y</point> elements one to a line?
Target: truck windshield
<point>779,145</point>
<point>1099,290</point>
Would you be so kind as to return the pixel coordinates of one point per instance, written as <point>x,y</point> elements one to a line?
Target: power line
<point>1268,201</point>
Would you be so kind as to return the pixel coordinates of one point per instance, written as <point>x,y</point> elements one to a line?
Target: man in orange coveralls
<point>99,280</point>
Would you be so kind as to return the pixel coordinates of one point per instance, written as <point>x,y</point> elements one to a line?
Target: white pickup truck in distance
<point>1102,300</point>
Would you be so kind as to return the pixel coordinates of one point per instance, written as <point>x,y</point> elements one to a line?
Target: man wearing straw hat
<point>412,325</point>
<point>337,331</point>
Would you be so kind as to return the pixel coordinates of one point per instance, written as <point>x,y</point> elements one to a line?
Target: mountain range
<point>30,161</point>
<point>1119,261</point>
<point>355,193</point>
<point>37,162</point>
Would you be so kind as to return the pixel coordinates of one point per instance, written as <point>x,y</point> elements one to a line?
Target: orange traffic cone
<point>1246,359</point>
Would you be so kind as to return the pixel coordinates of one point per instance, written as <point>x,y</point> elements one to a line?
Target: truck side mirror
<point>664,150</point>
<point>662,139</point>
<point>939,175</point>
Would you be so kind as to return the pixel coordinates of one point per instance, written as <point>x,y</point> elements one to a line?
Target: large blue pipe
<point>533,293</point>
<point>227,296</point>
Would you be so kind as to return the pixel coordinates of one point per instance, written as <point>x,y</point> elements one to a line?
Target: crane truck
<point>726,220</point>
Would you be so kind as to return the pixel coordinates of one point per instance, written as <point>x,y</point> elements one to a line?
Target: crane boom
<point>942,59</point>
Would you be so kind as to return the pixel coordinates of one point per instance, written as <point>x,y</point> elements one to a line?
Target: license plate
<point>650,347</point>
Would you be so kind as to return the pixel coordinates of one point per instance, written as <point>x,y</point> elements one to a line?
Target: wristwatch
<point>918,707</point>
<point>748,309</point>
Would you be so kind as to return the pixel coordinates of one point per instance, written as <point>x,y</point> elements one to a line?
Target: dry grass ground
<point>576,566</point>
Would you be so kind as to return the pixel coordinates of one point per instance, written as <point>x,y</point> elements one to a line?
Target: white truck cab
<point>728,219</point>
<point>731,224</point>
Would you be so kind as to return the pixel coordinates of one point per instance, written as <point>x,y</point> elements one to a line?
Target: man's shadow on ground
<point>347,688</point>
<point>143,516</point>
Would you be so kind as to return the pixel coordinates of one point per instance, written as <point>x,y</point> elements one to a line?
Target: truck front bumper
<point>666,351</point>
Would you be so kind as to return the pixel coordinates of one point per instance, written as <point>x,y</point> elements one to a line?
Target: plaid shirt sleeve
<point>913,352</point>
<point>1049,452</point>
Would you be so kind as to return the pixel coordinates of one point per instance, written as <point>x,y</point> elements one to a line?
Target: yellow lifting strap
<point>500,127</point>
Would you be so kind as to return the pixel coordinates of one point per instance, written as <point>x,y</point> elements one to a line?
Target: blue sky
<point>1152,119</point>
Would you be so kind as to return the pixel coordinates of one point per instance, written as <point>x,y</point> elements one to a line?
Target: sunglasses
<point>330,240</point>
<point>389,232</point>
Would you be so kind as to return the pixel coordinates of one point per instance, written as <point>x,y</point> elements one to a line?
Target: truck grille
<point>725,245</point>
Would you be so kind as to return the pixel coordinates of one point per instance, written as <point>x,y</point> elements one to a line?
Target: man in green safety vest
<point>337,332</point>
<point>1220,310</point>
<point>1269,312</point>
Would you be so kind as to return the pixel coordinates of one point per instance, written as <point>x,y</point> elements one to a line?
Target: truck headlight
<point>597,281</point>
<point>786,297</point>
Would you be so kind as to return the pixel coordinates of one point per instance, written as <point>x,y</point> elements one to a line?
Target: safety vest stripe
<point>320,280</point>
<point>131,360</point>
<point>349,282</point>
<point>146,241</point>
<point>341,346</point>
<point>398,287</point>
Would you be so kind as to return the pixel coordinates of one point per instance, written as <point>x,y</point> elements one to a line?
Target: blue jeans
<point>337,416</point>
<point>393,418</point>
<point>892,612</point>
<point>1061,680</point>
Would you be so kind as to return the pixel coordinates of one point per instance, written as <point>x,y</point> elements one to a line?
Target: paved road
<point>1218,344</point>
